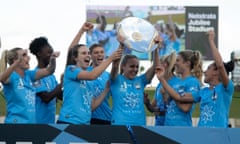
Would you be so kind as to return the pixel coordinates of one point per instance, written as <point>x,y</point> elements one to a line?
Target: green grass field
<point>234,111</point>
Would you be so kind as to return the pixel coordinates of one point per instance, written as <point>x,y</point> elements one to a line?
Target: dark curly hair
<point>37,44</point>
<point>229,66</point>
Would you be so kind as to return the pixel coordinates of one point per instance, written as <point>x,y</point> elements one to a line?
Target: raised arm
<point>187,98</point>
<point>115,64</point>
<point>115,69</point>
<point>172,27</point>
<point>4,76</point>
<point>160,75</point>
<point>50,69</point>
<point>85,27</point>
<point>6,72</point>
<point>151,71</point>
<point>217,58</point>
<point>91,75</point>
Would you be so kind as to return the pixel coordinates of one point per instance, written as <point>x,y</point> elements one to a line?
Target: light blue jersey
<point>175,116</point>
<point>45,112</point>
<point>214,105</point>
<point>103,111</point>
<point>128,103</point>
<point>169,46</point>
<point>91,39</point>
<point>160,120</point>
<point>77,98</point>
<point>103,35</point>
<point>173,45</point>
<point>20,98</point>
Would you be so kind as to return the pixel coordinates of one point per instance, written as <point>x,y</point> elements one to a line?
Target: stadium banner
<point>199,20</point>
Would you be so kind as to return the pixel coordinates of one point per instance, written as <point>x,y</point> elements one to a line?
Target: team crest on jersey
<point>137,86</point>
<point>72,68</point>
<point>193,88</point>
<point>123,87</point>
<point>99,78</point>
<point>83,83</point>
<point>20,84</point>
<point>181,90</point>
<point>37,83</point>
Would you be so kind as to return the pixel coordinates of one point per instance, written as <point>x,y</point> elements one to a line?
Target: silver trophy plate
<point>139,34</point>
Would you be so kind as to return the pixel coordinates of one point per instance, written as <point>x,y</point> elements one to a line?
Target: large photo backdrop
<point>182,27</point>
<point>168,20</point>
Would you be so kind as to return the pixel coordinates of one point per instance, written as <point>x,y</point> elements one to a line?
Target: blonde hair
<point>195,59</point>
<point>170,60</point>
<point>8,57</point>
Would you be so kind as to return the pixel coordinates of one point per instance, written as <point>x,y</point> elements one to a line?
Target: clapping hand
<point>22,53</point>
<point>159,70</point>
<point>55,54</point>
<point>158,40</point>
